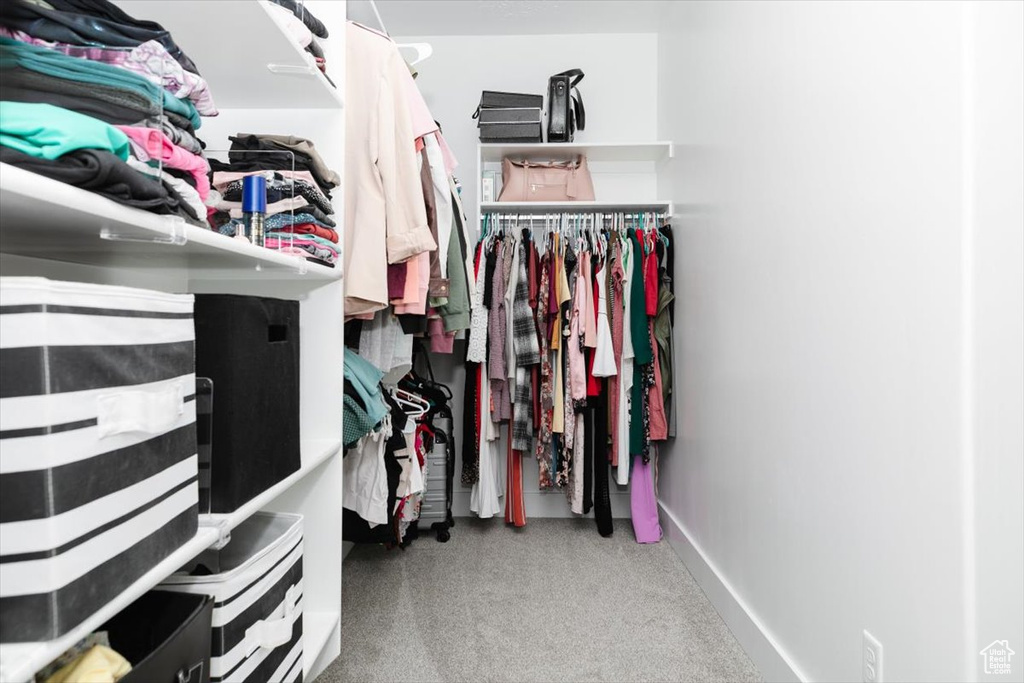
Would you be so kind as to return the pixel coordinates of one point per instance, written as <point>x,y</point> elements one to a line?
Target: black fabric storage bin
<point>249,347</point>
<point>165,636</point>
<point>511,132</point>
<point>494,99</point>
<point>510,115</point>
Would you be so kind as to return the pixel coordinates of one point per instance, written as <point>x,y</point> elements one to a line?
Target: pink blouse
<point>159,147</point>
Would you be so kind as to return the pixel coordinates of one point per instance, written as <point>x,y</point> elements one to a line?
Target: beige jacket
<point>385,216</point>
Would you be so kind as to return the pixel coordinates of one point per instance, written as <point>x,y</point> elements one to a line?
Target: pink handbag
<point>546,181</point>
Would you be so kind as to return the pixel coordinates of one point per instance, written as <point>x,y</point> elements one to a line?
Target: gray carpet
<point>551,602</point>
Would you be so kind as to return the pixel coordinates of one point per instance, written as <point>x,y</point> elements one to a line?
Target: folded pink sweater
<point>160,147</point>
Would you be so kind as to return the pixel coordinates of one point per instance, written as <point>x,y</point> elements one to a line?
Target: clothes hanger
<point>483,231</point>
<point>412,405</point>
<point>423,51</point>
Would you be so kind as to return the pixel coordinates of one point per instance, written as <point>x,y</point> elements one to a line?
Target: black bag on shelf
<point>249,347</point>
<point>165,636</point>
<point>565,110</point>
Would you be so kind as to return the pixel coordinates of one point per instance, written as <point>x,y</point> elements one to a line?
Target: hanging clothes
<point>566,361</point>
<point>385,216</point>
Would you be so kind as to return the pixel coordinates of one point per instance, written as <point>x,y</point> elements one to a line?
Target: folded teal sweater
<point>47,132</point>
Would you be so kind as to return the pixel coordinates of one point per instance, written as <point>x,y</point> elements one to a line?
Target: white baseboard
<point>542,504</point>
<point>773,663</point>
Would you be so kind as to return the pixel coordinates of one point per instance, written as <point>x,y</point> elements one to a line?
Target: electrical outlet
<point>871,659</point>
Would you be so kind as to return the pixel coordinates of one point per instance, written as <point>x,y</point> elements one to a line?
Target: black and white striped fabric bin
<point>98,466</point>
<point>257,592</point>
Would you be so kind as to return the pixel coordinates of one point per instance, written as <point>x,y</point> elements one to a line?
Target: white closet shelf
<point>594,151</point>
<point>315,452</point>
<point>19,662</point>
<point>559,207</point>
<point>245,54</point>
<point>316,630</point>
<point>45,218</point>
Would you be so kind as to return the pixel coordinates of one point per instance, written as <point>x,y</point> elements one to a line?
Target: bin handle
<point>192,675</point>
<point>271,633</point>
<point>150,412</point>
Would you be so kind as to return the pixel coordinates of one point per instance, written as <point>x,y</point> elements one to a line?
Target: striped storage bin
<point>98,467</point>
<point>256,584</point>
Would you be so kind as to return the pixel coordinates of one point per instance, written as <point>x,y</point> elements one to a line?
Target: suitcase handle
<point>271,633</point>
<point>150,412</point>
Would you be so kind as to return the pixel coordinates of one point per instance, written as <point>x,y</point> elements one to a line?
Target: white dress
<point>490,484</point>
<point>604,354</point>
<point>365,491</point>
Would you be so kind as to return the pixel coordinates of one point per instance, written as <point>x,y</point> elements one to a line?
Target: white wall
<point>996,236</point>
<point>848,327</point>
<point>620,93</point>
<point>619,88</point>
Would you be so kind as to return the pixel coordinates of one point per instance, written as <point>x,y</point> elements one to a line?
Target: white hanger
<point>406,399</point>
<point>423,51</point>
<point>380,22</point>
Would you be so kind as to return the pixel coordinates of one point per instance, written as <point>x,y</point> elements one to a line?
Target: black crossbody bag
<point>565,109</point>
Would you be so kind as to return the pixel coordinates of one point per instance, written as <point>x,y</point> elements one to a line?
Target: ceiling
<point>511,17</point>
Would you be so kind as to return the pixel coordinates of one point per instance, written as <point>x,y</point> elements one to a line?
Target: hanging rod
<point>604,215</point>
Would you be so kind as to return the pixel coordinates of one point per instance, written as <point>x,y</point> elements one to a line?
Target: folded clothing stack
<point>298,183</point>
<point>302,26</point>
<point>82,151</point>
<point>72,67</point>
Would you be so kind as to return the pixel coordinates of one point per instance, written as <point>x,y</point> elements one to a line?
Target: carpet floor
<point>551,602</point>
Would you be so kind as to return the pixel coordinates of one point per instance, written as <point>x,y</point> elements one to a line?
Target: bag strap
<point>575,74</point>
<point>580,111</point>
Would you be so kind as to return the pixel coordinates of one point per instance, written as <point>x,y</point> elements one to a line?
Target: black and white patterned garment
<point>527,353</point>
<point>284,186</point>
